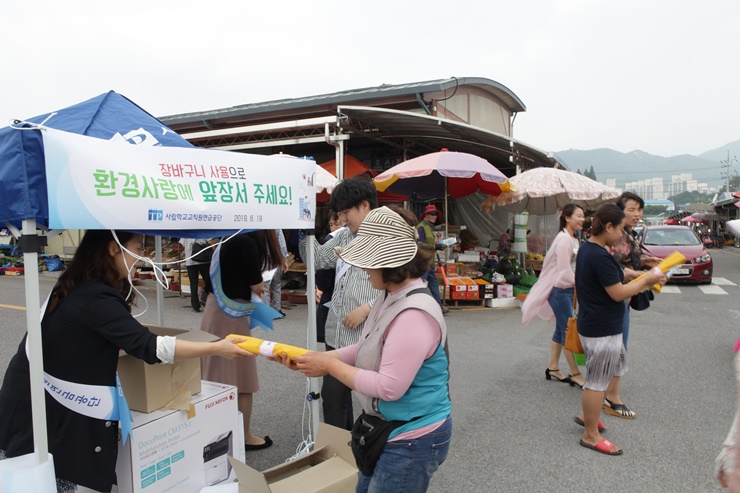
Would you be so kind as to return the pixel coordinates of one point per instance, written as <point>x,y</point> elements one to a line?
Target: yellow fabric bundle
<point>665,265</point>
<point>267,348</point>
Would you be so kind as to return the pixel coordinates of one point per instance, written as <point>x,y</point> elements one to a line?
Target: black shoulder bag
<point>640,301</point>
<point>203,252</point>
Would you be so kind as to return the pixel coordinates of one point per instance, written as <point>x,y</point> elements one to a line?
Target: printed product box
<point>486,289</point>
<point>458,289</point>
<point>330,468</point>
<point>151,387</point>
<point>183,451</point>
<point>504,291</point>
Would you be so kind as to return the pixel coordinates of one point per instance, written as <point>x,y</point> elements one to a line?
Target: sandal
<point>579,421</point>
<point>618,410</point>
<point>573,383</point>
<point>604,446</point>
<point>549,375</point>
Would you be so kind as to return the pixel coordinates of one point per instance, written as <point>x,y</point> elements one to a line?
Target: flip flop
<point>604,447</point>
<point>601,426</point>
<point>268,443</point>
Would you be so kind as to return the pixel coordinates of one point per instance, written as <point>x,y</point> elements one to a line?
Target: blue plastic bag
<point>53,264</point>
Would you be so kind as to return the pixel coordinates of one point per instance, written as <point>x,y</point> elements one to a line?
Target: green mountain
<point>639,165</point>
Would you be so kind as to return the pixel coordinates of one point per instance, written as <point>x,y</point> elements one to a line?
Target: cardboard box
<point>183,451</point>
<point>504,291</point>
<point>151,387</point>
<point>330,468</point>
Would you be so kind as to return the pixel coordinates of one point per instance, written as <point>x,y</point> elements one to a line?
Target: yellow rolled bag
<point>267,348</point>
<point>665,265</point>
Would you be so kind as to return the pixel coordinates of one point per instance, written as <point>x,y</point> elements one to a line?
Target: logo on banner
<point>137,137</point>
<point>156,215</point>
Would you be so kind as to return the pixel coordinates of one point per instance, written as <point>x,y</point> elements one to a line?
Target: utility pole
<point>726,166</point>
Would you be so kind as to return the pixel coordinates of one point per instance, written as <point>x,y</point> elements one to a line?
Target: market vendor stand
<point>30,197</point>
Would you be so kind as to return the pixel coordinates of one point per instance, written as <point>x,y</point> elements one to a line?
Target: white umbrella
<point>324,180</point>
<point>542,191</point>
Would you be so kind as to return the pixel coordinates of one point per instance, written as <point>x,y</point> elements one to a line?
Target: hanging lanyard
<point>260,315</point>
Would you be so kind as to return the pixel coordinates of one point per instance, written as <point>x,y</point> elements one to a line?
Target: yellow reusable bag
<point>267,348</point>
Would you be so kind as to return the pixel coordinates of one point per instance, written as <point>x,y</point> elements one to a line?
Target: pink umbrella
<point>442,174</point>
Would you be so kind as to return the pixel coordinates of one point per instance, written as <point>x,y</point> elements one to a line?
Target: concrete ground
<point>513,430</point>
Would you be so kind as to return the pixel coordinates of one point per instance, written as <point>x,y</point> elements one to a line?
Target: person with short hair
<point>601,293</point>
<point>353,296</point>
<point>399,369</point>
<point>425,229</point>
<point>629,256</point>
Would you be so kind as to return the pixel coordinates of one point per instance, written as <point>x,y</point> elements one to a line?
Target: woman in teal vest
<point>399,369</point>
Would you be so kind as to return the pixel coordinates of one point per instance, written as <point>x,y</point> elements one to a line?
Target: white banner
<point>99,184</point>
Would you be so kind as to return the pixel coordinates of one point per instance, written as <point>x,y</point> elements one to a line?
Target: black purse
<point>640,301</point>
<point>369,436</point>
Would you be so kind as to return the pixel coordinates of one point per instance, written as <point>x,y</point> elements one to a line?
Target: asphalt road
<point>513,430</point>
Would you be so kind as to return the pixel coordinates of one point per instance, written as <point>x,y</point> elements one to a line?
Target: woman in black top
<point>240,262</point>
<point>600,291</point>
<point>87,320</point>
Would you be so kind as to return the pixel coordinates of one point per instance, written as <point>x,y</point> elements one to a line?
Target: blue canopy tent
<point>24,203</point>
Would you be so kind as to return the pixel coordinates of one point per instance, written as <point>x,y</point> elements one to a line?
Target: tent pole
<point>35,353</point>
<point>160,290</point>
<point>312,343</point>
<point>447,220</point>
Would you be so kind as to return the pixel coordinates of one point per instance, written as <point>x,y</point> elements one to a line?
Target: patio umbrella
<point>670,221</point>
<point>542,191</point>
<point>442,174</point>
<point>692,219</point>
<point>324,180</point>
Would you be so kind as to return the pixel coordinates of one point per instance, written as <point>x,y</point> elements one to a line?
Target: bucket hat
<point>384,240</point>
<point>430,209</point>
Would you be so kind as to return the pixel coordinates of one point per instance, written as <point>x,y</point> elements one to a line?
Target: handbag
<point>640,301</point>
<point>572,339</point>
<point>202,252</point>
<point>369,436</point>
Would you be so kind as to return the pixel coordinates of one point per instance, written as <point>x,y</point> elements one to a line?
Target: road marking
<point>13,307</point>
<point>712,289</point>
<point>728,252</point>
<point>670,290</point>
<point>721,281</point>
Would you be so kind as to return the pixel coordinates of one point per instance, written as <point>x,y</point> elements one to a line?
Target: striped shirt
<point>351,290</point>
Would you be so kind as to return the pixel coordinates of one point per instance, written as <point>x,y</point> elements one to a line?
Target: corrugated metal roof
<point>352,96</point>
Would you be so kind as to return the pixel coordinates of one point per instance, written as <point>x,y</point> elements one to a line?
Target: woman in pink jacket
<point>556,285</point>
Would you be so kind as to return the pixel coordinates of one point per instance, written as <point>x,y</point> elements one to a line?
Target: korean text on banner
<point>99,184</point>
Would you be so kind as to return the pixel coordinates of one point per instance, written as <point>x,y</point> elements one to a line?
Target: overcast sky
<point>659,76</point>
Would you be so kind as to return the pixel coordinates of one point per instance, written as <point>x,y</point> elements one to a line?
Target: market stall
<point>53,179</point>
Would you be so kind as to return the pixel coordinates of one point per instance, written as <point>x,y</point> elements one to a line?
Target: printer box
<point>183,451</point>
<point>330,468</point>
<point>151,387</point>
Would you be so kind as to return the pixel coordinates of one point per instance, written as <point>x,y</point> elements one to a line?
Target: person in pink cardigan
<point>552,295</point>
<point>727,465</point>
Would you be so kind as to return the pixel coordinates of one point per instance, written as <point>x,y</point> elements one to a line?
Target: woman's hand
<point>356,317</point>
<point>258,289</point>
<point>654,276</point>
<point>314,364</point>
<point>284,360</point>
<point>227,348</point>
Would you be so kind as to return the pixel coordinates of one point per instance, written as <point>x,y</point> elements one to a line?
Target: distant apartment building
<point>611,182</point>
<point>648,189</point>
